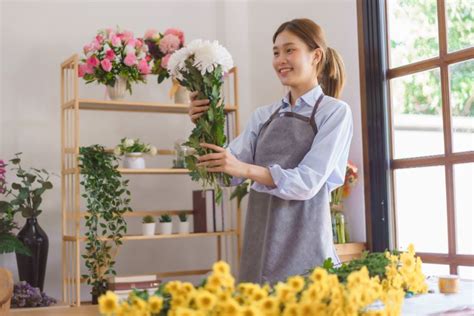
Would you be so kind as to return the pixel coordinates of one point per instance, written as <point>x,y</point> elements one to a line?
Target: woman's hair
<point>330,70</point>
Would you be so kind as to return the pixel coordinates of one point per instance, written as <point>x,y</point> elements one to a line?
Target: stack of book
<point>122,286</point>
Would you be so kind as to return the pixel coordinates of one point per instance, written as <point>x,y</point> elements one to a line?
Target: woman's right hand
<point>197,107</point>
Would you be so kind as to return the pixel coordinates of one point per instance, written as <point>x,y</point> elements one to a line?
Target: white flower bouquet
<point>200,66</point>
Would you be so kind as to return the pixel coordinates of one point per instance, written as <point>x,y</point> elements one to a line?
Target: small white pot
<point>166,228</point>
<point>117,92</point>
<point>134,161</point>
<point>148,229</point>
<point>183,227</point>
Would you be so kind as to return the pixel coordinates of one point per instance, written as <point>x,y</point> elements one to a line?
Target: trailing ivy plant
<point>107,198</point>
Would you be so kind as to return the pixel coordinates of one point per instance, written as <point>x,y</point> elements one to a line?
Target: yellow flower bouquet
<point>321,292</point>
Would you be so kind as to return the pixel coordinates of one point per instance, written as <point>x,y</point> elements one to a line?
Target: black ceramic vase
<point>32,269</point>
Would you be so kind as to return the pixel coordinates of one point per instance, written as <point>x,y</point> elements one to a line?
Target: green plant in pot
<point>148,225</point>
<point>166,224</point>
<point>183,227</point>
<point>26,194</point>
<point>107,199</point>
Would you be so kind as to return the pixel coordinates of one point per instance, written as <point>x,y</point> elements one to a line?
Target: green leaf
<point>16,186</point>
<point>47,185</point>
<point>9,243</point>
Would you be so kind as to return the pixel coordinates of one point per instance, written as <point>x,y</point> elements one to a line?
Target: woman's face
<point>293,61</point>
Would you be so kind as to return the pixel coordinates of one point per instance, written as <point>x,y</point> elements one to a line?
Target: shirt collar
<point>309,98</point>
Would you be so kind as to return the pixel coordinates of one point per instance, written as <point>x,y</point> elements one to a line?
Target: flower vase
<point>117,92</point>
<point>181,96</point>
<point>134,161</point>
<point>32,269</point>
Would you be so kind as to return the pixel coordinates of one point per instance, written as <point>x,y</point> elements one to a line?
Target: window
<point>430,77</point>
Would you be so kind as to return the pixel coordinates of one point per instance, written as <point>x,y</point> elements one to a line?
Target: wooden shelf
<point>132,106</point>
<point>172,236</point>
<point>154,171</point>
<point>349,251</point>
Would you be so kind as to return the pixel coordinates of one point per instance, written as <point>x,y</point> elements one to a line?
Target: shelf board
<point>154,171</point>
<point>172,236</point>
<point>132,106</point>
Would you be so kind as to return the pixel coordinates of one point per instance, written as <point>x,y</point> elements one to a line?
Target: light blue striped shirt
<point>323,167</point>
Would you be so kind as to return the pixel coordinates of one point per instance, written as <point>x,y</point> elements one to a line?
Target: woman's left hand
<point>222,161</point>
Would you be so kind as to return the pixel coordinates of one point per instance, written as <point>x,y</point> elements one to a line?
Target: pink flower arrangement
<point>113,53</point>
<point>161,47</point>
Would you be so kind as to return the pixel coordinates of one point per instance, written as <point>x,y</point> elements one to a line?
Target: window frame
<point>373,57</point>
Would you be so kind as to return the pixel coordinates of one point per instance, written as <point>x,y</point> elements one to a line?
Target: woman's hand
<point>222,161</point>
<point>197,107</point>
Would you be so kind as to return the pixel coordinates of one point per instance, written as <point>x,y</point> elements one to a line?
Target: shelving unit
<point>71,105</point>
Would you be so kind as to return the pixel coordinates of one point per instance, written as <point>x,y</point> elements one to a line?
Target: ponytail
<point>332,76</point>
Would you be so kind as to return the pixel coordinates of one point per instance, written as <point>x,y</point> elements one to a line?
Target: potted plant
<point>27,198</point>
<point>116,59</point>
<point>148,225</point>
<point>166,225</point>
<point>134,149</point>
<point>183,224</point>
<point>107,199</point>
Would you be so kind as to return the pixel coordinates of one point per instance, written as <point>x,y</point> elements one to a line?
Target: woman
<point>296,152</point>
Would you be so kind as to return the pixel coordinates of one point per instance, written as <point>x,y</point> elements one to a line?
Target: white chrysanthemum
<point>176,62</point>
<point>209,55</point>
<point>129,49</point>
<point>117,151</point>
<point>129,142</point>
<point>153,151</point>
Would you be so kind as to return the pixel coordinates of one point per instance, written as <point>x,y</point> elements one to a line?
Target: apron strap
<point>313,114</point>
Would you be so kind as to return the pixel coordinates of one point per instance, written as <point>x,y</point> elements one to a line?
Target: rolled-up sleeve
<point>324,164</point>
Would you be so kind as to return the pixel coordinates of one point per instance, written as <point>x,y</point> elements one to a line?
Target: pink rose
<point>116,41</point>
<point>169,43</point>
<point>99,38</point>
<point>131,41</point>
<point>139,43</point>
<point>127,35</point>
<point>85,69</point>
<point>92,61</point>
<point>143,67</point>
<point>130,60</point>
<point>87,48</point>
<point>177,33</point>
<point>106,65</point>
<point>110,54</point>
<point>95,45</point>
<point>150,34</point>
<point>164,61</point>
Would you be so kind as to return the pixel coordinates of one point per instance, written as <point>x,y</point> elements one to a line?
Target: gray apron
<point>285,237</point>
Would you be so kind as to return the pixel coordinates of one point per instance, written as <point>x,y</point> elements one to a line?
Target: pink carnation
<point>93,61</point>
<point>165,60</point>
<point>106,65</point>
<point>95,45</point>
<point>177,33</point>
<point>130,60</point>
<point>143,67</point>
<point>150,34</point>
<point>139,43</point>
<point>127,35</point>
<point>99,38</point>
<point>110,54</point>
<point>169,43</point>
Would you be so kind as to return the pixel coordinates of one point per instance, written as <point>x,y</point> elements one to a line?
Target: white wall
<point>37,35</point>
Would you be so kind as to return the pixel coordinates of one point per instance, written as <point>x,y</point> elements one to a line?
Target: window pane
<point>430,269</point>
<point>461,79</point>
<point>466,272</point>
<point>420,201</point>
<point>464,201</point>
<point>413,31</point>
<point>417,115</point>
<point>460,24</point>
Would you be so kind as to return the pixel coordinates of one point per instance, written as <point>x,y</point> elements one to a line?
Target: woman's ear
<point>317,55</point>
